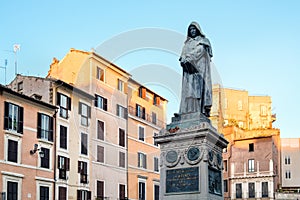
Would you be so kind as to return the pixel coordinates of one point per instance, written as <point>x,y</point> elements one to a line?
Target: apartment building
<point>252,158</point>
<point>146,117</point>
<point>107,133</point>
<point>72,124</point>
<point>27,160</point>
<point>290,161</point>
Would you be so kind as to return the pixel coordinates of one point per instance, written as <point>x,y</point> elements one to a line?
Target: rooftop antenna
<point>5,65</point>
<point>17,47</point>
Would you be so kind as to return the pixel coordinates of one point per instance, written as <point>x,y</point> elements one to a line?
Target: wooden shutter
<point>96,101</point>
<point>58,162</point>
<point>67,164</point>
<point>39,122</point>
<point>79,195</point>
<point>20,120</point>
<point>105,104</point>
<point>58,95</point>
<point>69,103</point>
<point>144,93</point>
<point>144,113</point>
<point>89,111</point>
<point>89,195</point>
<point>6,115</point>
<point>79,167</point>
<point>50,137</point>
<point>79,108</point>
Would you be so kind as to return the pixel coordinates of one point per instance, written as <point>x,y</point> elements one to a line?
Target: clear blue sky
<point>255,43</point>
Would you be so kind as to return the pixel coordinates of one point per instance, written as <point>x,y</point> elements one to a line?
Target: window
<point>120,85</point>
<point>263,110</point>
<point>240,105</point>
<point>85,112</point>
<point>45,127</point>
<point>288,174</point>
<point>140,111</point>
<point>241,124</point>
<point>12,190</point>
<point>63,166</point>
<point>100,130</point>
<point>142,92</point>
<point>100,189</point>
<point>64,103</point>
<point>62,193</point>
<point>155,143</point>
<point>122,192</point>
<point>238,188</point>
<point>45,160</point>
<point>44,193</point>
<point>63,138</point>
<point>20,86</point>
<point>100,74</point>
<point>225,185</point>
<point>142,191</point>
<point>156,168</point>
<point>12,150</point>
<point>251,147</point>
<point>82,170</point>
<point>141,133</point>
<point>265,192</point>
<point>225,165</point>
<point>100,154</point>
<point>13,117</point>
<point>153,117</point>
<point>101,102</point>
<point>156,100</point>
<point>84,144</point>
<point>251,189</point>
<point>121,137</point>
<point>156,192</point>
<point>121,111</point>
<point>122,159</point>
<point>287,160</point>
<point>251,165</point>
<point>84,195</point>
<point>142,160</point>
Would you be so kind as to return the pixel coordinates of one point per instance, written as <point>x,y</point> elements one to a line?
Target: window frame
<point>45,128</point>
<point>141,137</point>
<point>84,141</point>
<point>10,115</point>
<point>101,102</point>
<point>85,116</point>
<point>142,160</point>
<point>122,137</point>
<point>100,74</point>
<point>63,139</point>
<point>64,108</point>
<point>45,160</point>
<point>251,165</point>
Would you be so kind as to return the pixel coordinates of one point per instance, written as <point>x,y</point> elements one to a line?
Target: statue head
<point>194,30</point>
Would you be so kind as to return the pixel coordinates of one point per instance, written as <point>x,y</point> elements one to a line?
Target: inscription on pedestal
<point>182,180</point>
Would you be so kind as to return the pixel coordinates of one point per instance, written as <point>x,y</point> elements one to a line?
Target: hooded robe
<point>196,93</point>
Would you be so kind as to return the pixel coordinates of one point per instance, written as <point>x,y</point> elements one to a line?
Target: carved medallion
<point>193,153</point>
<point>171,156</point>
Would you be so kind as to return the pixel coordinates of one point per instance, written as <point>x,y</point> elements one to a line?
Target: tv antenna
<point>5,65</point>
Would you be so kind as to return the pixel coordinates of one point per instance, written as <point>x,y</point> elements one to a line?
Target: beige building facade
<point>107,131</point>
<point>146,117</point>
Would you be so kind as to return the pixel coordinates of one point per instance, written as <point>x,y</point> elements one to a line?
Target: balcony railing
<point>146,117</point>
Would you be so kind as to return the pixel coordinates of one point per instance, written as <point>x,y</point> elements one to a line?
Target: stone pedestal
<point>191,159</point>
